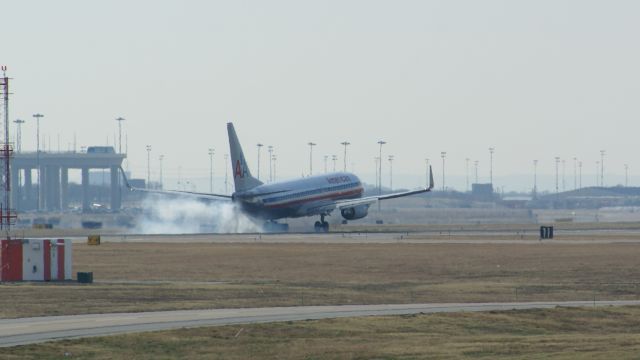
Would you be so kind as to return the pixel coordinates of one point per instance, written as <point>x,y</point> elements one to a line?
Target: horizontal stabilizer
<point>174,193</point>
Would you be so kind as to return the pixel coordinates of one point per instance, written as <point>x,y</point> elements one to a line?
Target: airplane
<point>317,195</point>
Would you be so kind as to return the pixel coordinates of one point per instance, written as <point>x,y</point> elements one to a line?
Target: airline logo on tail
<point>239,172</point>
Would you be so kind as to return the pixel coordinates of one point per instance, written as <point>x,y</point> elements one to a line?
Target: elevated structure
<point>54,168</point>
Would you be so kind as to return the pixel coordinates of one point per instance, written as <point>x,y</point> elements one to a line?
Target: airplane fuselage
<point>301,197</point>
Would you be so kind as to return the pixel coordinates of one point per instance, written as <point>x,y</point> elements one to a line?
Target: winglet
<point>430,178</point>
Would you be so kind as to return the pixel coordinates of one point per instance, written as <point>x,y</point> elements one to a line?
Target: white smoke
<point>189,216</point>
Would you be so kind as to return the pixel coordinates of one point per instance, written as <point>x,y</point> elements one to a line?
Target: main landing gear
<point>321,226</point>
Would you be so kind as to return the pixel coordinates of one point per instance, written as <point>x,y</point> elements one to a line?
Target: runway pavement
<point>40,329</point>
<point>440,237</point>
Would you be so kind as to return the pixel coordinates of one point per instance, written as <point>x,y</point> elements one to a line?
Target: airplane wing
<point>328,207</point>
<point>342,204</point>
<point>193,194</point>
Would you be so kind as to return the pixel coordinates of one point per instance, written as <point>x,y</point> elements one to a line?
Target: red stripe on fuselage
<point>338,195</point>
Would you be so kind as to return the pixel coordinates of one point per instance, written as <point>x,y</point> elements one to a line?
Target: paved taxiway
<point>40,329</point>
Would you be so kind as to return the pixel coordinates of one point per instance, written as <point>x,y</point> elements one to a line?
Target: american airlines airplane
<point>317,195</point>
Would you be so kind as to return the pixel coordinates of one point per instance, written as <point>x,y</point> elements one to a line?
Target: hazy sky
<point>534,79</point>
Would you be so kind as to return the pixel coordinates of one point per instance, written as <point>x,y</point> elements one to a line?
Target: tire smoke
<point>190,216</point>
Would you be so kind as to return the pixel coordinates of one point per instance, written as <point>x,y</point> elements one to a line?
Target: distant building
<point>482,191</point>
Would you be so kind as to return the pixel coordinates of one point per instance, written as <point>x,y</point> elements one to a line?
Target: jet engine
<point>356,212</point>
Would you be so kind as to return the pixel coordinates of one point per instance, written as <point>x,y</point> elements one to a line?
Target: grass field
<point>165,276</point>
<point>564,333</point>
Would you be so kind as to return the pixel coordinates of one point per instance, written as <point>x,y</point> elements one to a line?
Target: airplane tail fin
<point>241,175</point>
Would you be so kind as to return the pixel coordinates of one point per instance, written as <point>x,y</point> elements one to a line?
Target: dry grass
<point>362,263</point>
<point>186,276</point>
<point>611,333</point>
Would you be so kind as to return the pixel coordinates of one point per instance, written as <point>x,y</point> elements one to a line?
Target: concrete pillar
<point>41,187</point>
<point>54,180</point>
<point>116,195</point>
<point>47,184</point>
<point>28,190</point>
<point>15,188</point>
<point>85,190</point>
<point>64,189</point>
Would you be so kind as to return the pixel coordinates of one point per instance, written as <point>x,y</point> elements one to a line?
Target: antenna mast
<point>6,215</point>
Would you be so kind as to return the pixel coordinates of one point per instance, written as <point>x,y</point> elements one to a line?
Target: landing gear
<point>321,226</point>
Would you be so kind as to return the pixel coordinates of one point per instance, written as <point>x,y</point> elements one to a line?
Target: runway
<point>436,237</point>
<point>23,331</point>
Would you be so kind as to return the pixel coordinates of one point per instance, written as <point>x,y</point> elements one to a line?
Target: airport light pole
<point>38,117</point>
<point>345,144</point>
<point>597,173</point>
<point>602,168</point>
<point>270,148</point>
<point>557,163</point>
<point>148,166</point>
<point>535,177</point>
<point>259,147</point>
<point>120,120</point>
<point>580,174</point>
<point>326,157</point>
<point>626,175</point>
<point>19,123</point>
<point>211,152</point>
<point>160,158</point>
<point>375,160</point>
<point>19,134</point>
<point>226,171</point>
<point>381,142</point>
<point>443,155</point>
<point>391,172</point>
<point>311,145</point>
<point>274,166</point>
<point>475,163</point>
<point>334,158</point>
<point>467,173</point>
<point>491,150</point>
